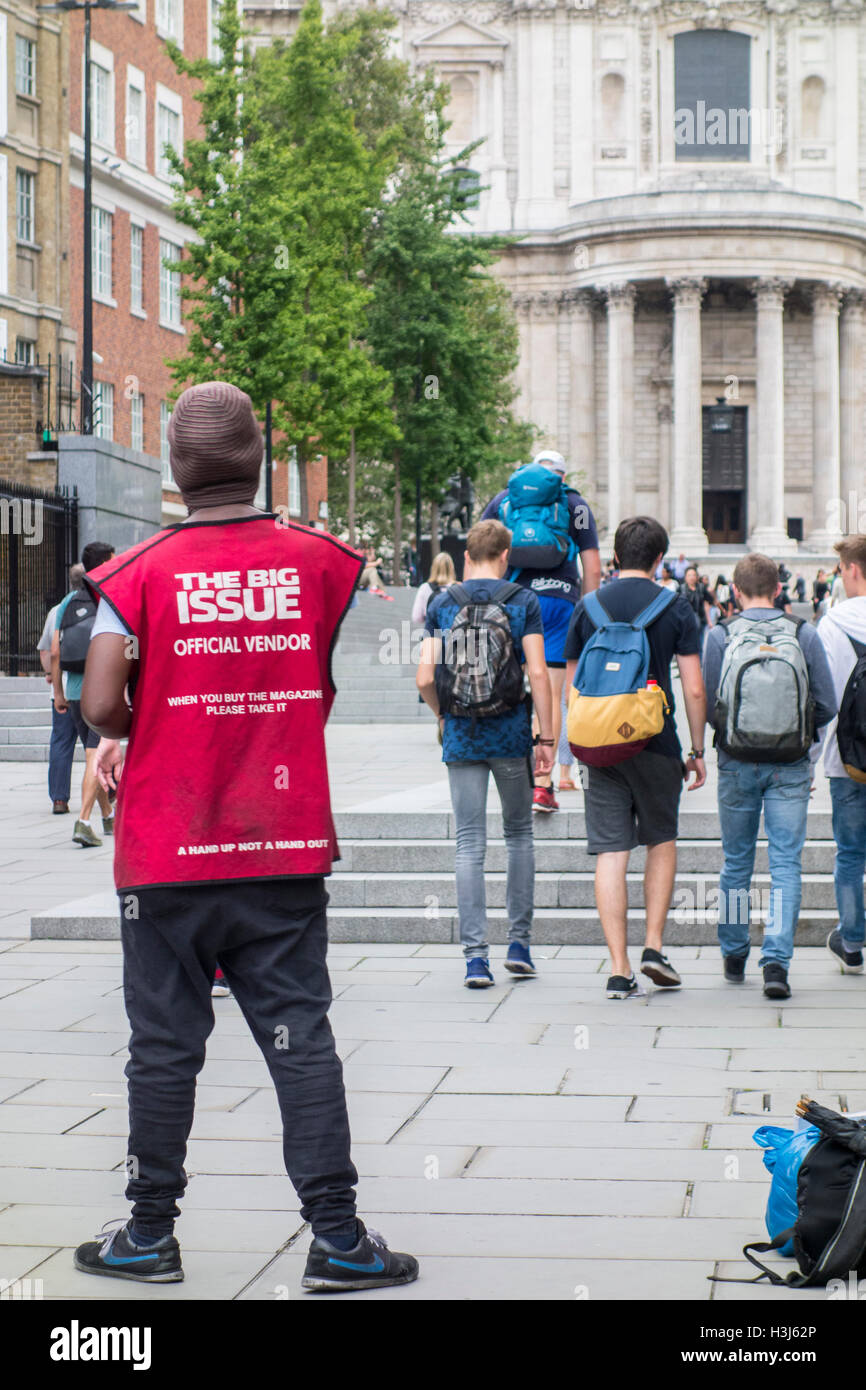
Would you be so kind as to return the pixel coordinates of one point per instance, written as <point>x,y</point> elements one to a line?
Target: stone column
<point>664,416</point>
<point>543,362</point>
<point>852,363</point>
<point>687,533</point>
<point>576,306</point>
<point>767,470</point>
<point>826,480</point>
<point>620,404</point>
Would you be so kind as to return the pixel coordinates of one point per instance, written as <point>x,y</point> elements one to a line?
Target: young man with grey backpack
<point>769,690</point>
<point>471,674</point>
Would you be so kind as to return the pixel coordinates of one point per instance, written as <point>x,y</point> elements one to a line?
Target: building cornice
<point>709,14</point>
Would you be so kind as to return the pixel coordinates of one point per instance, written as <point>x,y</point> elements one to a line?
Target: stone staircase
<point>395,882</point>
<point>375,662</point>
<point>25,720</point>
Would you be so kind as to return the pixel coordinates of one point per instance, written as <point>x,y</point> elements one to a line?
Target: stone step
<point>39,697</point>
<point>551,856</point>
<point>562,825</point>
<point>29,752</point>
<point>552,890</point>
<point>346,715</point>
<point>19,683</point>
<point>96,919</point>
<point>26,718</point>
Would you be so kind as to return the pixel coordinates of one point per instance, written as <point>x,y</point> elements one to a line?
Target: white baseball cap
<point>551,459</point>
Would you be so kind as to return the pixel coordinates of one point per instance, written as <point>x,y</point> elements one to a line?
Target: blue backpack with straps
<point>537,514</point>
<point>615,660</point>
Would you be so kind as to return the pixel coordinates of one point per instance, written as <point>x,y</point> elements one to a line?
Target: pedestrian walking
<point>442,573</point>
<point>842,632</point>
<point>768,689</point>
<point>73,628</point>
<point>635,800</point>
<point>549,536</point>
<point>64,735</point>
<point>215,869</point>
<point>471,674</point>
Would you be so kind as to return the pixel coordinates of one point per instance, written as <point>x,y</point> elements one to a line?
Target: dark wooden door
<point>724,477</point>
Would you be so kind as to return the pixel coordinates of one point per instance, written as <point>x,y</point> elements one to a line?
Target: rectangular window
<point>102,231</point>
<point>164,417</point>
<point>136,265</point>
<point>136,136</point>
<point>712,81</point>
<point>25,66</point>
<point>25,203</point>
<point>169,19</point>
<point>136,419</point>
<point>100,104</point>
<point>169,285</point>
<point>25,352</point>
<point>294,483</point>
<point>167,133</point>
<point>214,51</point>
<point>103,409</point>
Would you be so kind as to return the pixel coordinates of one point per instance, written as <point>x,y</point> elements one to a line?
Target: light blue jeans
<point>783,791</point>
<point>849,832</point>
<point>469,783</point>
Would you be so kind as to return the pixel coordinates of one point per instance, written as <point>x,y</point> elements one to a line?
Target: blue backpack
<point>537,514</point>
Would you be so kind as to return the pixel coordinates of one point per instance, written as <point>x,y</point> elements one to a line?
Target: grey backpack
<point>764,710</point>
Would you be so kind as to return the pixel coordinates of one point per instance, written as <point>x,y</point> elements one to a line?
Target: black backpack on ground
<point>851,724</point>
<point>829,1234</point>
<point>76,626</point>
<point>480,674</point>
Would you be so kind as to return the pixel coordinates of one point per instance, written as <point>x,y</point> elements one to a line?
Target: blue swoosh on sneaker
<point>109,1259</point>
<point>374,1266</point>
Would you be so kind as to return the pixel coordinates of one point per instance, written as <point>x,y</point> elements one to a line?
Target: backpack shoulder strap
<point>766,1273</point>
<point>459,595</point>
<point>859,647</point>
<point>510,592</point>
<point>663,599</point>
<point>595,609</point>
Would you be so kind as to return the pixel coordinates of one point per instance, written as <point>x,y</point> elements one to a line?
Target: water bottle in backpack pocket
<point>764,709</point>
<point>613,707</point>
<point>479,674</point>
<point>537,514</point>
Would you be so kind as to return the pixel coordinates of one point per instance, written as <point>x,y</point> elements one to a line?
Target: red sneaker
<point>544,800</point>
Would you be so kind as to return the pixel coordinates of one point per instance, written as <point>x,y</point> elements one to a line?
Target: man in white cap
<point>558,590</point>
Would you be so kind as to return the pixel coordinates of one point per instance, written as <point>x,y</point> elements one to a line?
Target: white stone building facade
<point>687,180</point>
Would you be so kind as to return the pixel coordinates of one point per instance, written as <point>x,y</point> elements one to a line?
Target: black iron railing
<point>38,543</point>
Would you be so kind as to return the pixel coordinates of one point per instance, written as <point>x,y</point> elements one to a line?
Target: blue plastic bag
<point>784,1151</point>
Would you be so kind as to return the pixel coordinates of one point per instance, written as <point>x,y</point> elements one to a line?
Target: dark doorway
<point>724,474</point>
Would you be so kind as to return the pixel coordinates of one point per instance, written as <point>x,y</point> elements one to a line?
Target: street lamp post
<point>87,278</point>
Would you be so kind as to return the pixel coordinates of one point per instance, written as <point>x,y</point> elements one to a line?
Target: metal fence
<point>38,543</point>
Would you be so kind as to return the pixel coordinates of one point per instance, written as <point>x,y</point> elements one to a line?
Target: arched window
<point>461,110</point>
<point>711,95</point>
<point>613,106</point>
<point>812,108</point>
<point>468,186</point>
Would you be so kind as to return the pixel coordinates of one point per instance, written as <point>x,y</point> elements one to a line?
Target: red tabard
<point>225,775</point>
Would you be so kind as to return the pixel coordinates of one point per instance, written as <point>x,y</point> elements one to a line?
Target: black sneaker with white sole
<point>622,987</point>
<point>735,969</point>
<point>116,1256</point>
<point>369,1265</point>
<point>776,981</point>
<point>659,969</point>
<point>850,961</point>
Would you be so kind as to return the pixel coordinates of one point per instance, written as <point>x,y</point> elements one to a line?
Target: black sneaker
<point>659,969</point>
<point>851,961</point>
<point>114,1254</point>
<point>776,981</point>
<point>618,987</point>
<point>370,1265</point>
<point>735,969</point>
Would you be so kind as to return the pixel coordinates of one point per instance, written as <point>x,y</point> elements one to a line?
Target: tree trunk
<point>434,531</point>
<point>352,490</point>
<point>398,522</point>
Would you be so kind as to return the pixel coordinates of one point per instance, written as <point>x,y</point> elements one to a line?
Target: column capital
<point>686,289</point>
<point>621,295</point>
<point>770,291</point>
<point>577,303</point>
<point>521,302</point>
<point>545,304</point>
<point>854,303</point>
<point>827,295</point>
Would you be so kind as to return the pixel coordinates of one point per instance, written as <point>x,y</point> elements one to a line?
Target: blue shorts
<point>555,615</point>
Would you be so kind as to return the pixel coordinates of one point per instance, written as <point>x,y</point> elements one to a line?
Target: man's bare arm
<point>109,668</point>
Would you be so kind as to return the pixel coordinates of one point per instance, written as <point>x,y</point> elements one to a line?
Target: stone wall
<point>21,393</point>
<point>119,490</point>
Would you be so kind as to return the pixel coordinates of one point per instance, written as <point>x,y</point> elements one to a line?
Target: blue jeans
<point>783,791</point>
<point>469,783</point>
<point>60,754</point>
<point>849,832</point>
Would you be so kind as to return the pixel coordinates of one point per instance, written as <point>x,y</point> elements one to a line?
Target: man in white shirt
<point>63,732</point>
<point>844,621</point>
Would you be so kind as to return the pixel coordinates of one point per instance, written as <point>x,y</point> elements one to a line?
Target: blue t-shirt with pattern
<point>506,735</point>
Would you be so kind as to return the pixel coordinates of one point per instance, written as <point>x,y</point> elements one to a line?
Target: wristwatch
<point>695,753</point>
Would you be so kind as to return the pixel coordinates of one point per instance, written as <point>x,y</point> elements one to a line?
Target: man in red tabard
<point>211,652</point>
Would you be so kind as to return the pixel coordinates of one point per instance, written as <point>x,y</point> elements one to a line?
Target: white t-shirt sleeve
<point>107,621</point>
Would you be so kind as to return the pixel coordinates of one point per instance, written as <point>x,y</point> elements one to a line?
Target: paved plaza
<point>534,1141</point>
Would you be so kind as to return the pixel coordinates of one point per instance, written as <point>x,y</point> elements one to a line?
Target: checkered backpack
<point>480,674</point>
